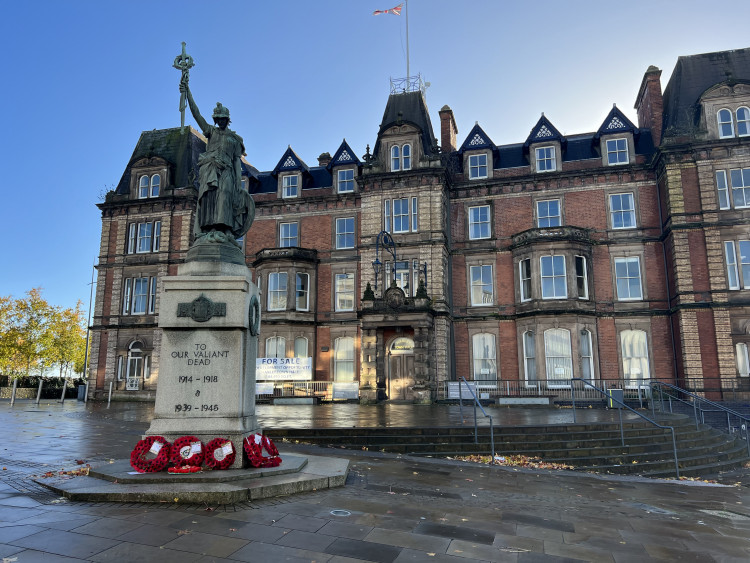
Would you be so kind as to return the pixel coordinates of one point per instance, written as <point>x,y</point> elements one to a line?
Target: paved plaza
<point>393,508</point>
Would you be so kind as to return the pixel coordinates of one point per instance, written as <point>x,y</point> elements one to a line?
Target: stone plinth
<point>207,372</point>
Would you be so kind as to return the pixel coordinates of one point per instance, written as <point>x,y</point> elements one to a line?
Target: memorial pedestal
<point>209,315</point>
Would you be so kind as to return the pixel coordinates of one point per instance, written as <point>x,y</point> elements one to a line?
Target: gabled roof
<point>409,108</point>
<point>290,161</point>
<point>179,148</point>
<point>692,76</point>
<point>615,122</point>
<point>542,132</point>
<point>477,139</point>
<point>343,155</point>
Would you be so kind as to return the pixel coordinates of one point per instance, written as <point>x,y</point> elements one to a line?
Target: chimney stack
<point>448,130</point>
<point>324,159</point>
<point>650,103</point>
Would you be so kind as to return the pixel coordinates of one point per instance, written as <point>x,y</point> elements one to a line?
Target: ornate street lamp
<point>385,240</point>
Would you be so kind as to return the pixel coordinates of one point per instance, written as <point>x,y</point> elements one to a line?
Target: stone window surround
<point>723,97</point>
<point>571,323</point>
<point>629,251</point>
<point>636,205</point>
<point>281,222</point>
<point>400,135</point>
<point>291,271</point>
<point>344,268</point>
<point>334,224</point>
<point>340,168</point>
<point>151,298</point>
<point>467,214</point>
<point>566,248</point>
<point>283,175</point>
<point>132,239</point>
<point>628,136</point>
<point>540,145</point>
<point>737,236</point>
<point>632,323</point>
<point>137,173</point>
<point>546,197</point>
<point>483,328</point>
<point>481,260</point>
<point>490,163</point>
<point>289,333</point>
<point>344,332</point>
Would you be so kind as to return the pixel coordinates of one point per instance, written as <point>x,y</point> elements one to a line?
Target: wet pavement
<point>393,508</point>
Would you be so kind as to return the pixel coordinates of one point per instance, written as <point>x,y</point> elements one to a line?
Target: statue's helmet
<point>220,111</point>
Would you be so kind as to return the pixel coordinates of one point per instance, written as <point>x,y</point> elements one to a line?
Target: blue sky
<point>82,79</point>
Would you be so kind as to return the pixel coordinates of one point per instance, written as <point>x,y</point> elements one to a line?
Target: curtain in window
<point>485,363</point>
<point>344,359</point>
<point>529,353</point>
<point>276,347</point>
<point>300,347</point>
<point>743,366</point>
<point>558,356</point>
<point>634,355</point>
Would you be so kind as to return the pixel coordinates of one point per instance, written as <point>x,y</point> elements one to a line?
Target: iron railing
<point>697,403</point>
<point>476,402</point>
<point>609,397</point>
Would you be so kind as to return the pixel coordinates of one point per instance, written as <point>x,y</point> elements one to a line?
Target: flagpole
<point>407,43</point>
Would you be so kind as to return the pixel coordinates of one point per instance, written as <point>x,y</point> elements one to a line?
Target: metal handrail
<point>718,407</point>
<point>622,431</point>
<point>476,403</point>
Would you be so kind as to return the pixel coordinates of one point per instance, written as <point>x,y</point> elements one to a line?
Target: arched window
<point>143,187</point>
<point>276,347</point>
<point>743,365</point>
<point>558,357</point>
<point>485,362</point>
<point>343,359</point>
<point>395,158</point>
<point>726,127</point>
<point>743,122</point>
<point>634,356</point>
<point>406,156</point>
<point>155,185</point>
<point>135,364</point>
<point>300,347</point>
<point>529,358</point>
<point>587,357</point>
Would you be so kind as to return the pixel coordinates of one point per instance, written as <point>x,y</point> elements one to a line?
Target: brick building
<point>621,254</point>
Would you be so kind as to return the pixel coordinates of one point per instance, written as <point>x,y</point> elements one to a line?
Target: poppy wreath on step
<point>187,450</point>
<point>220,453</point>
<point>184,469</point>
<point>156,445</point>
<point>254,446</point>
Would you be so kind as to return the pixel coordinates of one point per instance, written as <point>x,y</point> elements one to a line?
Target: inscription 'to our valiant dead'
<point>200,356</point>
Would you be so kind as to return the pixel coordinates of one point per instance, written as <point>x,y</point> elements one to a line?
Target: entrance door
<point>401,369</point>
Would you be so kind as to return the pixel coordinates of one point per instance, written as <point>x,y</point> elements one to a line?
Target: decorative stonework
<point>477,140</point>
<point>345,157</point>
<point>615,123</point>
<point>201,309</point>
<point>543,132</point>
<point>289,162</point>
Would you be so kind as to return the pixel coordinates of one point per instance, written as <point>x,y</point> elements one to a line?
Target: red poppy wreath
<point>187,450</point>
<point>219,453</point>
<point>155,446</point>
<point>254,446</point>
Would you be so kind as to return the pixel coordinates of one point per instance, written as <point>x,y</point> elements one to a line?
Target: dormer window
<point>477,166</point>
<point>743,122</point>
<point>345,181</point>
<point>155,185</point>
<point>149,186</point>
<point>545,159</point>
<point>400,157</point>
<point>617,151</point>
<point>290,186</point>
<point>726,127</point>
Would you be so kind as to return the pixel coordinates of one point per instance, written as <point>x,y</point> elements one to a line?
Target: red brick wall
<point>603,288</point>
<point>609,363</point>
<point>460,294</point>
<point>101,364</point>
<point>507,352</point>
<point>586,209</point>
<point>699,263</point>
<point>317,232</point>
<point>514,215</point>
<point>323,364</point>
<point>690,190</point>
<point>661,340</point>
<point>325,289</point>
<point>709,352</point>
<point>261,235</point>
<point>462,353</point>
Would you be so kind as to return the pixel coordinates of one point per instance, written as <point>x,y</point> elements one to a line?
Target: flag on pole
<point>395,11</point>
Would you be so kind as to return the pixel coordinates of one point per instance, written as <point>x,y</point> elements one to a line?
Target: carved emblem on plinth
<point>201,309</point>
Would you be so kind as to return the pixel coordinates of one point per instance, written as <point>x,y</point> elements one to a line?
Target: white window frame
<point>144,239</point>
<point>156,236</point>
<point>627,262</point>
<point>587,360</point>
<point>387,216</point>
<point>140,296</point>
<point>722,122</point>
<point>742,359</point>
<point>143,187</point>
<point>132,228</point>
<point>342,233</point>
<point>479,222</point>
<point>528,341</point>
<point>414,214</point>
<point>738,267</point>
<point>406,156</point>
<point>582,277</point>
<point>743,121</point>
<point>290,186</point>
<point>286,238</point>
<point>479,284</point>
<point>344,292</point>
<point>556,260</point>
<point>300,342</point>
<point>277,291</point>
<point>134,363</point>
<point>302,291</point>
<point>274,343</point>
<point>395,158</point>
<point>545,159</point>
<point>524,279</point>
<point>484,357</point>
<point>151,308</point>
<point>622,212</point>
<point>402,215</point>
<point>345,183</point>
<point>146,295</point>
<point>343,359</point>
<point>478,166</point>
<point>739,180</point>
<point>155,185</point>
<point>546,219</point>
<point>619,149</point>
<point>555,361</point>
<point>722,189</point>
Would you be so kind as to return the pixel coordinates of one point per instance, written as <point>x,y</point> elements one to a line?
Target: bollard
<point>39,393</point>
<point>13,392</point>
<point>86,394</point>
<point>109,398</point>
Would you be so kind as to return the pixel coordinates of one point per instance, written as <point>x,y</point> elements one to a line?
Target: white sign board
<point>453,389</point>
<point>283,369</point>
<point>262,388</point>
<point>349,390</point>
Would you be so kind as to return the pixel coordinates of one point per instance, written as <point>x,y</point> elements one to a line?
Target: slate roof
<point>180,150</point>
<point>411,108</point>
<point>692,76</point>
